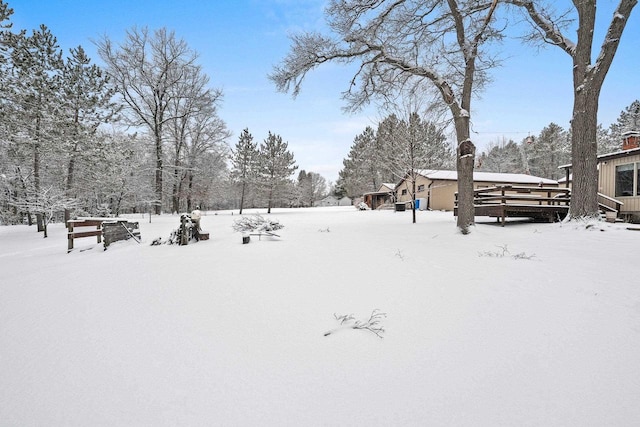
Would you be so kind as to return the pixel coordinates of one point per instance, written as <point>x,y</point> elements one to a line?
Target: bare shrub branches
<point>256,224</point>
<point>504,252</point>
<point>348,321</point>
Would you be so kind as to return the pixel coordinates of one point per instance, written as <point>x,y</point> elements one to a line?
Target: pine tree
<point>502,157</point>
<point>549,150</point>
<point>311,187</point>
<point>410,145</point>
<point>629,120</point>
<point>87,104</point>
<point>361,168</point>
<point>37,61</point>
<point>244,164</point>
<point>276,165</point>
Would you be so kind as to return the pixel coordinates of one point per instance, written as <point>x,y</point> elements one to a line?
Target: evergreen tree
<point>502,157</point>
<point>276,165</point>
<point>244,165</point>
<point>607,143</point>
<point>311,187</point>
<point>411,145</point>
<point>549,150</point>
<point>629,120</point>
<point>87,104</point>
<point>37,68</point>
<point>361,169</point>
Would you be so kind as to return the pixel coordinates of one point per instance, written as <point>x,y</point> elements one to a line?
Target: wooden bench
<point>82,223</point>
<point>120,229</point>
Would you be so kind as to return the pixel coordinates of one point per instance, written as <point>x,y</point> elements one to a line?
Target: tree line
<point>542,154</point>
<point>140,134</point>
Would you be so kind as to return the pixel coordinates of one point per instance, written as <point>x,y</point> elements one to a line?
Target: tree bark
<point>584,199</point>
<point>465,161</point>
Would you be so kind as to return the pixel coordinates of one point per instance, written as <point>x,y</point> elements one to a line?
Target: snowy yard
<point>546,333</point>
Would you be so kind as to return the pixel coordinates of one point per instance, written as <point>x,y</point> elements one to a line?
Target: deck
<point>547,204</point>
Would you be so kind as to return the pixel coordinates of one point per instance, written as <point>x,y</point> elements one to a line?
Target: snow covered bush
<point>362,206</point>
<point>256,224</point>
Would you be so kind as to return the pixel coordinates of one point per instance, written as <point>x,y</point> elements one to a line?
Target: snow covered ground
<point>544,333</point>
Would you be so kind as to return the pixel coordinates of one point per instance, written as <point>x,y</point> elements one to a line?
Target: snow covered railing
<point>536,202</point>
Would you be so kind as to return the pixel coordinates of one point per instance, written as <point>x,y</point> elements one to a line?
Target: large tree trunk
<point>465,160</point>
<point>584,199</point>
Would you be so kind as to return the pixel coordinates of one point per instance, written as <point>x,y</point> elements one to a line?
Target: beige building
<point>619,177</point>
<point>437,188</point>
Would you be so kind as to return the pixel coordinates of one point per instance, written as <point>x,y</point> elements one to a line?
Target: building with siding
<point>438,187</point>
<point>619,177</point>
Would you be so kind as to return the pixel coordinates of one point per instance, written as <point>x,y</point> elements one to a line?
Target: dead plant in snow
<point>348,321</point>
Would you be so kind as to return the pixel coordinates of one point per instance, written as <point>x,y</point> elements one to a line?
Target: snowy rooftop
<point>515,178</point>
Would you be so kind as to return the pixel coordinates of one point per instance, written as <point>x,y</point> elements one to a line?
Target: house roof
<point>610,156</point>
<point>514,178</point>
<point>390,188</point>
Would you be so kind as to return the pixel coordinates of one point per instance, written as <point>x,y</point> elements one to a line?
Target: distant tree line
<point>542,154</point>
<point>261,175</point>
<point>386,155</point>
<point>141,134</point>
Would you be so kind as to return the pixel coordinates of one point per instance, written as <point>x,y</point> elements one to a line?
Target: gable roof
<point>513,178</point>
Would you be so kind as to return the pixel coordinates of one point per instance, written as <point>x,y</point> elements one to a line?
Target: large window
<point>624,179</point>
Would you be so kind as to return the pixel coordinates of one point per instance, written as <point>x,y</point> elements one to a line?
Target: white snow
<point>221,333</point>
<point>511,178</point>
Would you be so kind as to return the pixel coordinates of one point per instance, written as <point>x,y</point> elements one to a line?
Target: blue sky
<point>239,41</point>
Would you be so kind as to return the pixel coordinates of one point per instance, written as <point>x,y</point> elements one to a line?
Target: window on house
<point>637,179</point>
<point>404,192</point>
<point>624,180</point>
<point>420,188</point>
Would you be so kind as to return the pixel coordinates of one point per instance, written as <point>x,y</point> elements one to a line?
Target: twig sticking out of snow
<point>347,321</point>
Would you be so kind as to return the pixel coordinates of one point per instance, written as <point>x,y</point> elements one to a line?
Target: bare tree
<point>193,109</point>
<point>148,70</point>
<point>409,146</point>
<point>406,44</point>
<point>47,203</point>
<point>550,27</point>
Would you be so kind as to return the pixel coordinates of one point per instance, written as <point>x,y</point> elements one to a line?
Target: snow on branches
<point>257,224</point>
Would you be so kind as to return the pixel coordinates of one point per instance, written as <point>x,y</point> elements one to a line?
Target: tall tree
<point>276,167</point>
<point>244,164</point>
<point>413,144</point>
<point>193,104</point>
<point>361,170</point>
<point>37,66</point>
<point>86,105</point>
<point>589,70</point>
<point>406,44</point>
<point>311,187</point>
<point>147,70</point>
